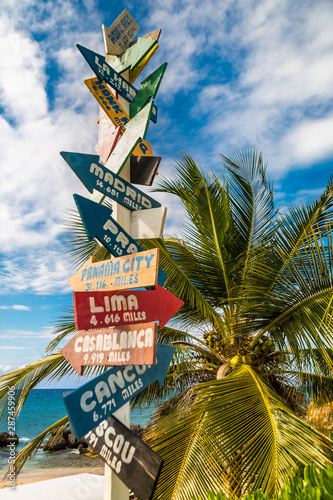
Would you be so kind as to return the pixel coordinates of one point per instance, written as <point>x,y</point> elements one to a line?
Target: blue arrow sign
<point>94,401</point>
<point>103,71</point>
<point>95,176</point>
<point>99,224</point>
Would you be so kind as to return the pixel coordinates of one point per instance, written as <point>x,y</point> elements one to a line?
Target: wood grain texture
<point>128,456</point>
<point>120,34</point>
<point>119,273</point>
<point>114,346</point>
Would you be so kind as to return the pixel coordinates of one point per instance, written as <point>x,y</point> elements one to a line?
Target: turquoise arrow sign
<point>103,71</point>
<point>99,224</point>
<point>94,401</point>
<point>95,176</point>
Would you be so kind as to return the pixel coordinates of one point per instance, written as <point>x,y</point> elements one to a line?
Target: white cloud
<point>17,307</point>
<point>5,368</point>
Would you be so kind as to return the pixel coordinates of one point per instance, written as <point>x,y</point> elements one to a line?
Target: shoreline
<point>34,476</point>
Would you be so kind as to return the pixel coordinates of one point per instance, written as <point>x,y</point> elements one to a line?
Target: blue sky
<point>240,72</point>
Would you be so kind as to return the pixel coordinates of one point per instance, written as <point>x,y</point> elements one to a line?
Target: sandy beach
<point>44,474</point>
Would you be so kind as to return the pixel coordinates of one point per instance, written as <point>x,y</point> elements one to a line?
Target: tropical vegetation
<point>253,339</point>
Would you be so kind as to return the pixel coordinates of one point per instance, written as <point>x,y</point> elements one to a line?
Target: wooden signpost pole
<point>114,488</point>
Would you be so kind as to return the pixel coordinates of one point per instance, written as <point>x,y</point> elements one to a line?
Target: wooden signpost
<point>127,455</point>
<point>122,345</point>
<point>94,401</point>
<point>117,326</point>
<point>117,38</point>
<point>134,271</point>
<point>95,176</point>
<point>101,309</point>
<point>99,224</point>
<point>103,71</point>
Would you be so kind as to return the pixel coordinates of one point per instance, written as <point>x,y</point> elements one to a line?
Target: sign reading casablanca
<point>101,309</point>
<point>123,345</point>
<point>136,271</point>
<point>94,401</point>
<point>128,456</point>
<point>95,176</point>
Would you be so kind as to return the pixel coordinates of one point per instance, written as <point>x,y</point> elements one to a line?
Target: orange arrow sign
<point>115,346</point>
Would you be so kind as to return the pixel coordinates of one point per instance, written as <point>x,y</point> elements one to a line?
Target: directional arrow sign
<point>95,176</point>
<point>134,271</point>
<point>145,224</point>
<point>134,55</point>
<point>103,71</point>
<point>99,224</point>
<point>114,110</point>
<point>135,131</point>
<point>101,309</point>
<point>148,90</point>
<point>128,456</point>
<point>94,401</point>
<point>118,37</point>
<point>115,346</point>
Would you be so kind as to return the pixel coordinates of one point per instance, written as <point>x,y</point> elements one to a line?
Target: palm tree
<point>254,337</point>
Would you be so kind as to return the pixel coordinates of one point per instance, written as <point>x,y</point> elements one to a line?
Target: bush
<point>316,485</point>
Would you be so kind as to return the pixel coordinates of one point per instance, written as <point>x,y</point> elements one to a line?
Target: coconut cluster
<point>241,355</point>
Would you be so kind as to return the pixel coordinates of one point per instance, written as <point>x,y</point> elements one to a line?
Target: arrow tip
<point>165,355</point>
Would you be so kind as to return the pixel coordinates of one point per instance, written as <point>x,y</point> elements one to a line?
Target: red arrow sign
<point>102,309</point>
<point>115,346</point>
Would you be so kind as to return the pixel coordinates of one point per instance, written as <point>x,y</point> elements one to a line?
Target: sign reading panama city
<point>127,455</point>
<point>103,309</point>
<point>94,401</point>
<point>123,345</point>
<point>136,271</point>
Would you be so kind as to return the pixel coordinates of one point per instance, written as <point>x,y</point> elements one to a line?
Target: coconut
<point>235,361</point>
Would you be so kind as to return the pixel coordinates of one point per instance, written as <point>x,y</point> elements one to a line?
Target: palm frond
<point>228,436</point>
<point>31,449</point>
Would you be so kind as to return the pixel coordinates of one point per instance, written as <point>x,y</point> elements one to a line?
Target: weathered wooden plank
<point>128,307</point>
<point>148,90</point>
<point>128,456</point>
<point>133,56</point>
<point>135,130</point>
<point>135,271</point>
<point>144,169</point>
<point>113,109</point>
<point>155,35</point>
<point>114,346</point>
<point>103,71</point>
<point>108,136</point>
<point>121,32</point>
<point>148,224</point>
<point>94,401</point>
<point>96,176</point>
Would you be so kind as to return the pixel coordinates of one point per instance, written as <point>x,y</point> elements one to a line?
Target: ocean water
<point>43,408</point>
